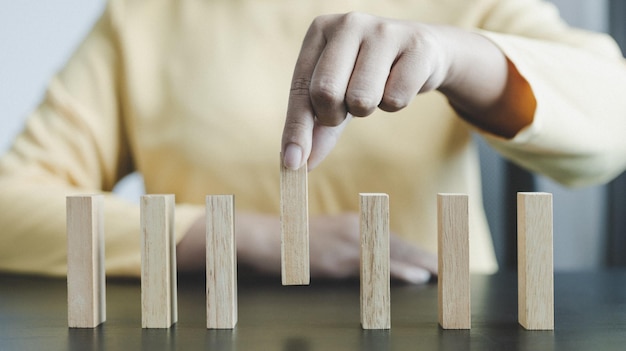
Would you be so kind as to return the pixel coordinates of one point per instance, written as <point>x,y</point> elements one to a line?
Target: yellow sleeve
<point>74,143</point>
<point>578,79</point>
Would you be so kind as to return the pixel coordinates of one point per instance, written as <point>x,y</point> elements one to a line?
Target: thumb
<point>324,140</point>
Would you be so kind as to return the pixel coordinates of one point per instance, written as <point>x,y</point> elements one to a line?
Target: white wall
<point>589,14</point>
<point>36,38</point>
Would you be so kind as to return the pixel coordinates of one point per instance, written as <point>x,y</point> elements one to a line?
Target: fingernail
<point>293,156</point>
<point>419,276</point>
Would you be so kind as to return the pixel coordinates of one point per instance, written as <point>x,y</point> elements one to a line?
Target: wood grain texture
<point>375,284</point>
<point>158,262</point>
<point>294,219</point>
<point>453,254</point>
<point>86,302</point>
<point>535,261</point>
<point>221,262</point>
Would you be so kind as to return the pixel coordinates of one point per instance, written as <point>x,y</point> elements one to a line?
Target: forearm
<point>484,86</point>
<point>33,240</point>
<point>33,222</point>
<point>576,137</point>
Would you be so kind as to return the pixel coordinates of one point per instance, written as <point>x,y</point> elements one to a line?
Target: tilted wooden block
<point>535,261</point>
<point>294,218</point>
<point>453,252</point>
<point>158,262</point>
<point>86,303</point>
<point>221,262</point>
<point>375,279</point>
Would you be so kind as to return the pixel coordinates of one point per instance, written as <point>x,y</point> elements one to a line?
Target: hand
<point>334,248</point>
<point>258,243</point>
<point>335,251</point>
<point>350,64</point>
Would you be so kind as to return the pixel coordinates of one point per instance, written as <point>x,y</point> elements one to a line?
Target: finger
<point>406,79</point>
<point>370,74</point>
<point>402,251</point>
<point>408,273</point>
<point>300,120</point>
<point>324,140</point>
<point>332,74</point>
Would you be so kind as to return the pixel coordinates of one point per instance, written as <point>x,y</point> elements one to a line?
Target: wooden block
<point>86,303</point>
<point>453,251</point>
<point>158,262</point>
<point>294,218</point>
<point>535,261</point>
<point>375,290</point>
<point>221,263</point>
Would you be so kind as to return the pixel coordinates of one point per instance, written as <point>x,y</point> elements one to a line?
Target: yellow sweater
<point>193,94</point>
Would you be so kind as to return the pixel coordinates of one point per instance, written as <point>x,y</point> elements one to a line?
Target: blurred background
<point>37,37</point>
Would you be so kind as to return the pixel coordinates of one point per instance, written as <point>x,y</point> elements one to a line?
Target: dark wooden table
<point>590,315</point>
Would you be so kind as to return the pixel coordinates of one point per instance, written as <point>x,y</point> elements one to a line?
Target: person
<point>193,95</point>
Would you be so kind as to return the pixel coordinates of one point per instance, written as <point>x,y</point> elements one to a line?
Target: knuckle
<point>393,103</point>
<point>319,22</point>
<point>354,19</point>
<point>384,29</point>
<point>360,105</point>
<point>350,18</point>
<point>423,40</point>
<point>326,92</point>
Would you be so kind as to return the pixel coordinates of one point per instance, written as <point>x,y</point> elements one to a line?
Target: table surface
<point>590,314</point>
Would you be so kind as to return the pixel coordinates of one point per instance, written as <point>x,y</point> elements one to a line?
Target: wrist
<point>483,86</point>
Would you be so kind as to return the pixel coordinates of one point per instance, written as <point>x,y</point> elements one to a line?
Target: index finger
<point>300,121</point>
